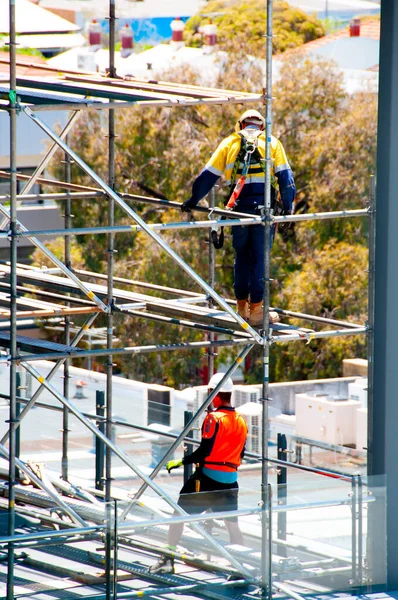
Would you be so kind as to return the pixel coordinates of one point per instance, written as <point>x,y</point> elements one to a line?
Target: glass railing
<point>312,535</point>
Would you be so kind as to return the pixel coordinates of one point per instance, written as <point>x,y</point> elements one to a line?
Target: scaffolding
<point>64,292</point>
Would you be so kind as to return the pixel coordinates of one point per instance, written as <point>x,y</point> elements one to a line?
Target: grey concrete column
<point>383,418</point>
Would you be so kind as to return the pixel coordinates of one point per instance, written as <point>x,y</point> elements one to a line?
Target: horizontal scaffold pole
<point>183,322</point>
<point>320,216</point>
<point>307,317</point>
<point>129,228</point>
<point>98,105</point>
<point>314,335</point>
<point>59,264</point>
<point>132,350</point>
<point>235,222</point>
<point>139,221</point>
<point>293,337</point>
<point>134,282</point>
<point>83,330</point>
<point>89,193</point>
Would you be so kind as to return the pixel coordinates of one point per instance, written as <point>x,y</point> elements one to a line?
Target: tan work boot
<point>256,314</point>
<point>243,308</point>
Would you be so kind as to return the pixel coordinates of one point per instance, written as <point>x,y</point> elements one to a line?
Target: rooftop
<point>33,19</point>
<point>360,52</point>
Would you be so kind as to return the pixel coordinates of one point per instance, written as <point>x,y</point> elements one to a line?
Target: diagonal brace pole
<point>51,374</point>
<point>59,264</point>
<point>44,162</point>
<point>156,488</point>
<point>155,236</point>
<point>24,467</point>
<point>188,428</point>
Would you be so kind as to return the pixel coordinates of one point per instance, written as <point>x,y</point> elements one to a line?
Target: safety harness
<point>248,151</point>
<point>248,154</point>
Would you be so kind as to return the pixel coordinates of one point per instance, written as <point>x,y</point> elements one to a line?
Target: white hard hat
<point>227,386</point>
<point>249,115</point>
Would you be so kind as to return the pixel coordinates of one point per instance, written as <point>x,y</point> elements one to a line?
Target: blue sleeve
<point>202,185</point>
<point>287,189</point>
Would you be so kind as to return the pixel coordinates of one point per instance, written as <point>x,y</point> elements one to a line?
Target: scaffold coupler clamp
<point>215,239</point>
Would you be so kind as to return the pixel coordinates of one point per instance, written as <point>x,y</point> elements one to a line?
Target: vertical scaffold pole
<point>370,323</point>
<point>67,322</point>
<point>13,291</point>
<point>212,257</point>
<point>109,331</point>
<point>265,559</point>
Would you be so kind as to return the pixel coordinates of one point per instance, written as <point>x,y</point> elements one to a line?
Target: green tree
<point>241,24</point>
<point>332,284</point>
<point>160,151</point>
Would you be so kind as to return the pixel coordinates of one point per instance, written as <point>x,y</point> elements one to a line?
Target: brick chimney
<point>177,28</point>
<point>355,27</point>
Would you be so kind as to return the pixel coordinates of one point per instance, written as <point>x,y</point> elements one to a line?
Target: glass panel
<point>317,547</point>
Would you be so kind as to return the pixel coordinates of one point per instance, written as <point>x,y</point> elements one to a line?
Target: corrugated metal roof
<point>31,18</point>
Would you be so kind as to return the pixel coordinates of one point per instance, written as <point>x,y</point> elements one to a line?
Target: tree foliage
<point>317,267</point>
<point>241,24</point>
<point>332,283</point>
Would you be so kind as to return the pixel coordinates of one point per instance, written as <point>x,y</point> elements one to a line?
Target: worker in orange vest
<point>214,485</point>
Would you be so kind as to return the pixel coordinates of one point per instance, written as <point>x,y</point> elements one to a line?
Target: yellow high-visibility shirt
<point>223,159</point>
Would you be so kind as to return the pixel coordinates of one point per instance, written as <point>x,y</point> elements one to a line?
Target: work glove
<point>188,205</point>
<point>173,464</point>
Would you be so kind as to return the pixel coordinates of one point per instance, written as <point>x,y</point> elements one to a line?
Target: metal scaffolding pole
<point>184,345</point>
<point>57,499</point>
<point>235,222</point>
<point>12,111</point>
<point>155,487</point>
<point>67,322</point>
<point>267,221</point>
<point>211,277</point>
<point>119,105</point>
<point>220,301</point>
<point>32,179</point>
<point>55,260</point>
<point>188,428</point>
<point>371,317</point>
<point>109,318</point>
<point>51,374</point>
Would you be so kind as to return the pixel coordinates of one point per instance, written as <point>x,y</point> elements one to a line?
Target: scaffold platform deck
<point>133,303</point>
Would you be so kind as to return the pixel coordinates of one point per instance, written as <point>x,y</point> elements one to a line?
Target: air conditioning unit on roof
<point>324,418</point>
<point>201,394</point>
<point>252,413</point>
<point>245,393</point>
<point>358,390</point>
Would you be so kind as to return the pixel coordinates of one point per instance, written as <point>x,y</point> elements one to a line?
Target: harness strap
<point>217,240</point>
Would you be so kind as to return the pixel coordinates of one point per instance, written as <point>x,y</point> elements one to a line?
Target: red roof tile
<point>24,64</point>
<point>370,28</point>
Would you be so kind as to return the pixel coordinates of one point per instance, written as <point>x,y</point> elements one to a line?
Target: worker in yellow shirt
<point>240,158</point>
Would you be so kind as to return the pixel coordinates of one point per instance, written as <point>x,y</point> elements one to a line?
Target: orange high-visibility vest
<point>229,442</point>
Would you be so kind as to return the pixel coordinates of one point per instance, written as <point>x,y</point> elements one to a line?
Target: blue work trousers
<point>248,243</point>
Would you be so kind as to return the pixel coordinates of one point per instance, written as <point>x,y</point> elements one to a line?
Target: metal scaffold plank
<point>27,344</point>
